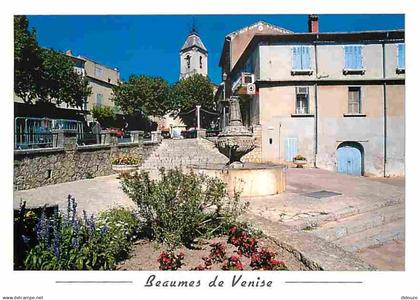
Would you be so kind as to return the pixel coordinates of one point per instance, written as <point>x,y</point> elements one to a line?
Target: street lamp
<point>224,77</point>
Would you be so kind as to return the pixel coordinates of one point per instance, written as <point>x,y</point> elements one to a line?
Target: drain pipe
<point>385,100</point>
<point>316,105</point>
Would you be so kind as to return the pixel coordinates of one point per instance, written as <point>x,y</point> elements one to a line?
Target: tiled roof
<point>193,40</point>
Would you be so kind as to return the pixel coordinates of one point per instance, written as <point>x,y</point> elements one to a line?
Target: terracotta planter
<point>299,162</point>
<point>124,169</point>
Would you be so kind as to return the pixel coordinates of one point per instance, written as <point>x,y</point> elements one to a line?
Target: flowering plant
<point>170,261</point>
<point>264,260</point>
<point>243,240</point>
<point>299,157</point>
<point>68,242</point>
<point>125,160</point>
<point>233,263</point>
<point>217,252</point>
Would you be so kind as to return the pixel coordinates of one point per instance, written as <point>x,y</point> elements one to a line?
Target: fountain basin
<point>251,180</point>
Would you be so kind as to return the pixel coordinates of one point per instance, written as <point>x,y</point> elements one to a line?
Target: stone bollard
<point>109,137</point>
<point>201,133</point>
<point>65,138</point>
<point>156,136</point>
<point>136,136</point>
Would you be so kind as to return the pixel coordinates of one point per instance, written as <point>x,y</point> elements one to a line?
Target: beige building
<point>101,79</point>
<point>335,98</point>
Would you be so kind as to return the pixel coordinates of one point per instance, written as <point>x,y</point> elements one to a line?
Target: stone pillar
<point>136,136</point>
<point>65,138</point>
<point>156,136</point>
<point>198,118</point>
<point>201,133</point>
<point>109,137</point>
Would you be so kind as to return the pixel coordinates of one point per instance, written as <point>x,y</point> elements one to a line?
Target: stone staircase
<point>362,230</point>
<point>182,153</point>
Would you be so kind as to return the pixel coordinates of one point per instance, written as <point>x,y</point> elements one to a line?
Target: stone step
<point>175,153</point>
<point>374,236</point>
<point>334,230</point>
<point>345,212</point>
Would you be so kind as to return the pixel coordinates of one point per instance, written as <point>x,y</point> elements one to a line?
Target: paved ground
<point>92,195</point>
<point>365,212</point>
<point>366,216</point>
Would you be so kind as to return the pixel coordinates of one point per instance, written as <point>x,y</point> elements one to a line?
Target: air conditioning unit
<point>302,90</point>
<point>247,78</point>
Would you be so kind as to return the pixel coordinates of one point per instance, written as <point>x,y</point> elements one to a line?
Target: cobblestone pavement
<point>92,195</point>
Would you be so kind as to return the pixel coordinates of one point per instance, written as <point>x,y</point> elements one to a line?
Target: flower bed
<point>64,241</point>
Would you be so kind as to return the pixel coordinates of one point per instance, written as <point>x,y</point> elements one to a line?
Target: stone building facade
<point>335,98</point>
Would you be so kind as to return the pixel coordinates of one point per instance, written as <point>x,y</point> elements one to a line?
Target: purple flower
<point>75,238</point>
<point>92,225</point>
<point>42,228</point>
<point>73,209</point>
<point>68,207</point>
<point>104,229</point>
<point>56,239</point>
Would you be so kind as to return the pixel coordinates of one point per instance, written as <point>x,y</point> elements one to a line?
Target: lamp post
<point>224,77</point>
<point>198,117</point>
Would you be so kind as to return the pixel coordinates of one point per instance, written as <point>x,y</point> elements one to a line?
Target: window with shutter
<point>99,99</point>
<point>353,59</point>
<point>301,60</point>
<point>401,57</point>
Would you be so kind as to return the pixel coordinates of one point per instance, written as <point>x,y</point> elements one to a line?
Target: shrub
<point>125,160</point>
<point>182,207</point>
<point>66,242</point>
<point>170,261</point>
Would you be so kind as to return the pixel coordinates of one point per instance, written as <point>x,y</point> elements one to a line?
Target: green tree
<point>192,91</point>
<point>143,94</point>
<point>104,115</point>
<point>44,75</point>
<point>60,82</point>
<point>28,62</point>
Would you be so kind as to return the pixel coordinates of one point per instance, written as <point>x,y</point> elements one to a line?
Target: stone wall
<point>68,161</point>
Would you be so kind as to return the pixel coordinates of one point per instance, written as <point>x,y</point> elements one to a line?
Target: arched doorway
<point>350,158</point>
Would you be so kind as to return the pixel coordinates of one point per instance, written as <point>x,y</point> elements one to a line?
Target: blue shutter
<point>401,56</point>
<point>295,58</point>
<point>359,64</point>
<point>347,57</point>
<point>353,63</point>
<point>306,58</point>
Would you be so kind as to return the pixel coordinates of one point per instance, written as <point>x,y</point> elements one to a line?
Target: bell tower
<point>193,56</point>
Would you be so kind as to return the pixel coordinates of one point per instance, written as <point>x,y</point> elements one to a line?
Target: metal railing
<point>125,138</point>
<point>35,140</point>
<point>89,138</point>
<point>36,132</point>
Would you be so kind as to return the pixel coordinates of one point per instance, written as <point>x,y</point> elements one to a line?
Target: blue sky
<point>150,44</point>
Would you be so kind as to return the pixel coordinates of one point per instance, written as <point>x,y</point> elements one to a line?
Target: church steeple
<point>193,55</point>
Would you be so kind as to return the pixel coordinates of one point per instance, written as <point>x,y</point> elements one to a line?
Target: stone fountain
<point>251,179</point>
<point>235,140</point>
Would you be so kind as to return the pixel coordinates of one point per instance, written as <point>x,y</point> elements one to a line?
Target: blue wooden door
<point>291,148</point>
<point>349,160</point>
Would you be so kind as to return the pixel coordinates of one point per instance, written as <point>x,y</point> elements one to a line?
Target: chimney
<point>68,52</point>
<point>313,25</point>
